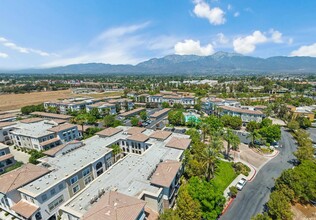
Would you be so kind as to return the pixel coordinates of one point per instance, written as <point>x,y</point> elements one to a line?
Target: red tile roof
<point>108,132</point>
<point>25,208</point>
<point>179,143</point>
<point>115,206</point>
<point>20,177</point>
<point>165,173</point>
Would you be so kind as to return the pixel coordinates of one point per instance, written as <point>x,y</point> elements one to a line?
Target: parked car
<point>241,183</point>
<point>275,144</point>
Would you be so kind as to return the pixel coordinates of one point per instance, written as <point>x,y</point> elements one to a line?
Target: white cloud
<point>236,14</point>
<point>276,36</point>
<point>3,55</point>
<point>215,16</point>
<point>290,41</point>
<point>247,44</point>
<point>191,47</point>
<point>222,39</point>
<point>121,31</point>
<point>229,7</point>
<point>309,50</point>
<point>5,42</point>
<point>119,45</point>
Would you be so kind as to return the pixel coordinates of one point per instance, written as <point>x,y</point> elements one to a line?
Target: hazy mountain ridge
<point>220,62</point>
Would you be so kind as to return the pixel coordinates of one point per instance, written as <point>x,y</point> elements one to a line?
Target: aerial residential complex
<point>233,108</point>
<point>184,98</point>
<point>41,134</point>
<point>74,179</point>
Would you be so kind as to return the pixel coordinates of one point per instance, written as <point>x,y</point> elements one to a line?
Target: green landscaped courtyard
<point>224,175</point>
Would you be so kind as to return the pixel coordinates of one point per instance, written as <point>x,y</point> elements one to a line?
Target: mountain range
<point>218,63</point>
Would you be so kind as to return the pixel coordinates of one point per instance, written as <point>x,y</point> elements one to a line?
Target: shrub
<point>241,168</point>
<point>233,191</point>
<point>6,214</point>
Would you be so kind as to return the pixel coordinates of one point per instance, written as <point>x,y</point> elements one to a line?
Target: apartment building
<point>72,104</point>
<point>5,129</point>
<point>8,117</point>
<point>246,115</point>
<point>171,98</point>
<point>10,198</point>
<point>210,104</point>
<point>103,107</point>
<point>123,103</point>
<point>71,179</point>
<point>131,113</point>
<point>51,116</point>
<point>40,134</point>
<point>150,172</point>
<point>6,158</point>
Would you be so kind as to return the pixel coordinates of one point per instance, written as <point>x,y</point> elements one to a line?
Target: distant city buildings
<point>184,98</point>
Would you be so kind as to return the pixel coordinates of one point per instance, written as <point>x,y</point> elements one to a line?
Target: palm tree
<point>228,136</point>
<point>235,142</point>
<point>205,129</point>
<point>116,149</point>
<point>210,156</point>
<point>254,135</point>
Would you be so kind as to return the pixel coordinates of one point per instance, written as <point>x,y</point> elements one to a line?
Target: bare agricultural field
<point>16,101</point>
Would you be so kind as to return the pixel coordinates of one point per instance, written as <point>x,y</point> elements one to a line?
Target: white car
<point>240,185</point>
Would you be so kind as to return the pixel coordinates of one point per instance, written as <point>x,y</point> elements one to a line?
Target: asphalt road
<point>252,199</point>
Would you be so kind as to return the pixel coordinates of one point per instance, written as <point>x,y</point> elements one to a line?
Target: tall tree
<point>187,207</point>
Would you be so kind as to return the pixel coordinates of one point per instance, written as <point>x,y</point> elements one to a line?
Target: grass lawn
<point>224,175</point>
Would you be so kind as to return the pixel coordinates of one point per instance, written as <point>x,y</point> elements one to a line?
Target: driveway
<point>252,199</point>
<point>19,155</point>
<point>312,132</point>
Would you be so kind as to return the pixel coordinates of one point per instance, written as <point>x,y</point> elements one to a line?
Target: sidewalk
<point>234,183</point>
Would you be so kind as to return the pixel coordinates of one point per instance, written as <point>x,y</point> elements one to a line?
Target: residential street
<point>251,200</point>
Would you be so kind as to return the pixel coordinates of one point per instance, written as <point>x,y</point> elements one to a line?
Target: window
<point>86,171</point>
<point>87,180</point>
<point>2,153</point>
<point>76,189</point>
<point>53,192</point>
<point>98,166</point>
<point>44,197</point>
<point>74,180</point>
<point>38,216</point>
<point>60,186</point>
<point>54,204</point>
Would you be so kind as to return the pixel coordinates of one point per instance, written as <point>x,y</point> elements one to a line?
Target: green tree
<point>271,133</point>
<point>187,207</point>
<point>116,150</point>
<point>264,216</point>
<point>205,129</point>
<point>176,117</point>
<point>266,122</point>
<point>213,122</point>
<point>304,122</point>
<point>210,156</point>
<point>211,201</point>
<point>143,115</point>
<point>169,214</point>
<point>165,105</point>
<point>252,125</point>
<point>35,155</point>
<point>95,113</point>
<point>134,121</point>
<point>108,121</point>
<point>279,206</point>
<point>293,125</point>
<point>254,135</point>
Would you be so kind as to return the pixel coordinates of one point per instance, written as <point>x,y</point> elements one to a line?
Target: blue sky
<point>39,33</point>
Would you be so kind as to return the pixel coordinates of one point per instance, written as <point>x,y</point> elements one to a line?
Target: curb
<point>227,206</point>
<point>272,156</point>
<point>253,176</point>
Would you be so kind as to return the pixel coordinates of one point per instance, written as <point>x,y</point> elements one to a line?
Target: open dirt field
<point>304,212</point>
<point>16,101</point>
